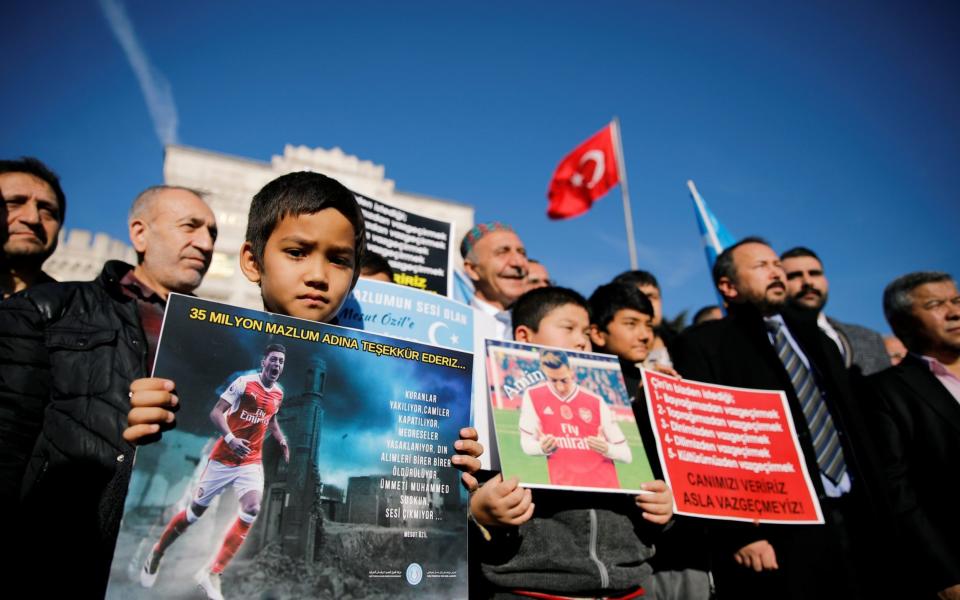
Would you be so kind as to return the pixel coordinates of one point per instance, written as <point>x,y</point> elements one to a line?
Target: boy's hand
<point>500,503</point>
<point>664,369</point>
<point>598,444</point>
<point>152,406</point>
<point>467,458</point>
<point>658,506</point>
<point>548,443</point>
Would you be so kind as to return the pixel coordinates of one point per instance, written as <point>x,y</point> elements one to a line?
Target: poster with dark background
<point>367,507</point>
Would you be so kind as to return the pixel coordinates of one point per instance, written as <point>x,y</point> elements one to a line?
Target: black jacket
<point>917,426</point>
<point>68,352</point>
<point>736,351</point>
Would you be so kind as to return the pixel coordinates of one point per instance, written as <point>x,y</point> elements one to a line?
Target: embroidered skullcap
<point>474,235</point>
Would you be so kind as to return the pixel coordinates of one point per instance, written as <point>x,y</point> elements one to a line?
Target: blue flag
<point>714,235</point>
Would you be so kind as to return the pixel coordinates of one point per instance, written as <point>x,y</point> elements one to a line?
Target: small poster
<point>308,461</point>
<point>563,419</point>
<point>730,453</point>
<point>409,314</point>
<point>418,248</point>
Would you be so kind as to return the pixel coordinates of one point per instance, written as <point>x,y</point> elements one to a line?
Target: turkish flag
<point>583,176</point>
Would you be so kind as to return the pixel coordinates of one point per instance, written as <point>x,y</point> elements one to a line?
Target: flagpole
<point>625,194</point>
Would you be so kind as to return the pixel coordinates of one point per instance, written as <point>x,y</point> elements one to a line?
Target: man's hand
<point>501,503</point>
<point>467,458</point>
<point>152,406</point>
<point>241,447</point>
<point>758,556</point>
<point>548,443</point>
<point>597,444</point>
<point>286,449</point>
<point>951,593</point>
<point>657,507</point>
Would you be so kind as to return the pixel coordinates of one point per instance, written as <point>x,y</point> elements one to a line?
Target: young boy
<point>569,543</point>
<point>622,325</point>
<point>304,243</point>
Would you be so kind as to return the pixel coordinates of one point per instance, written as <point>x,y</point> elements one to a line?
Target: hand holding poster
<point>308,460</point>
<point>730,453</point>
<point>563,419</point>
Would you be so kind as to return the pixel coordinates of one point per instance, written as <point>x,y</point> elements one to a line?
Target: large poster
<point>362,500</point>
<point>563,419</point>
<point>418,248</point>
<point>730,453</point>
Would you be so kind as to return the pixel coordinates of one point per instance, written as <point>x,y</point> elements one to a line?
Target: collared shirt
<point>832,490</point>
<point>832,333</point>
<point>944,376</point>
<point>150,307</point>
<point>504,318</point>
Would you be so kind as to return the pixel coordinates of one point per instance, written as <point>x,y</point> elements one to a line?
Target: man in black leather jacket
<point>68,352</point>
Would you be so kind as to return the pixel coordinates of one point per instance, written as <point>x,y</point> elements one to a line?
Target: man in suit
<point>763,345</point>
<point>807,289</point>
<point>917,424</point>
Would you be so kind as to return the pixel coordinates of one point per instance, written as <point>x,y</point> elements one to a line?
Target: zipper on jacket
<point>604,576</point>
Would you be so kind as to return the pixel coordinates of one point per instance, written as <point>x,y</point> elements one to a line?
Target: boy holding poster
<point>622,325</point>
<point>305,237</point>
<point>570,543</point>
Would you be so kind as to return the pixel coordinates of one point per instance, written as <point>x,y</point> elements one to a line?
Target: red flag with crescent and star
<point>583,176</point>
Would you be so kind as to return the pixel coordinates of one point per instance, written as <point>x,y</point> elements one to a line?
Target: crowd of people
<point>881,440</point>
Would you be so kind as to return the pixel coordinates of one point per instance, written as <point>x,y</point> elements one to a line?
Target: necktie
<point>826,440</point>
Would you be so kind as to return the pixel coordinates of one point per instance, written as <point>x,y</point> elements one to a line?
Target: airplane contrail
<point>156,89</point>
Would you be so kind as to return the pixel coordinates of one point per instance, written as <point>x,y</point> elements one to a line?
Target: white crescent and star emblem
<point>597,157</point>
<point>432,332</point>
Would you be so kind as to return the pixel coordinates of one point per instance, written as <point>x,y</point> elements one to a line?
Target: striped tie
<point>826,441</point>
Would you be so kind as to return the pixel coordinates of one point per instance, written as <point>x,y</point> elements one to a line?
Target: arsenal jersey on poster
<point>571,421</point>
<point>251,408</point>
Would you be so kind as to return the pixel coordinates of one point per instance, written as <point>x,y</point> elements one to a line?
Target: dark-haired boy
<point>305,238</point>
<point>575,544</point>
<point>375,266</point>
<point>622,325</point>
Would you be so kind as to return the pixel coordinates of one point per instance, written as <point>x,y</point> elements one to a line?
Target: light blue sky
<point>832,125</point>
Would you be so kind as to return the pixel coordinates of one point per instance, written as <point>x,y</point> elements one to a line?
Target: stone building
<point>230,183</point>
<point>80,255</point>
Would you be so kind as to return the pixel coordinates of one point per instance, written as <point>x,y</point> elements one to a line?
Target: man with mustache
<point>807,289</point>
<point>68,353</point>
<point>33,207</point>
<point>762,344</point>
<point>495,260</point>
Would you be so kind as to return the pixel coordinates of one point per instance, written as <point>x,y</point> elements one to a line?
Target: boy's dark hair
<point>554,359</point>
<point>32,166</point>
<point>373,263</point>
<point>533,306</point>
<point>302,193</point>
<point>636,278</point>
<point>798,252</point>
<point>724,265</point>
<point>607,299</point>
<point>274,348</point>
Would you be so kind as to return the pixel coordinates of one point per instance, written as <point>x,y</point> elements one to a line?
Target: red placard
<point>730,453</point>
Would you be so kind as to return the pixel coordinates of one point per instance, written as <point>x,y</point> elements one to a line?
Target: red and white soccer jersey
<point>251,408</point>
<point>571,420</point>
